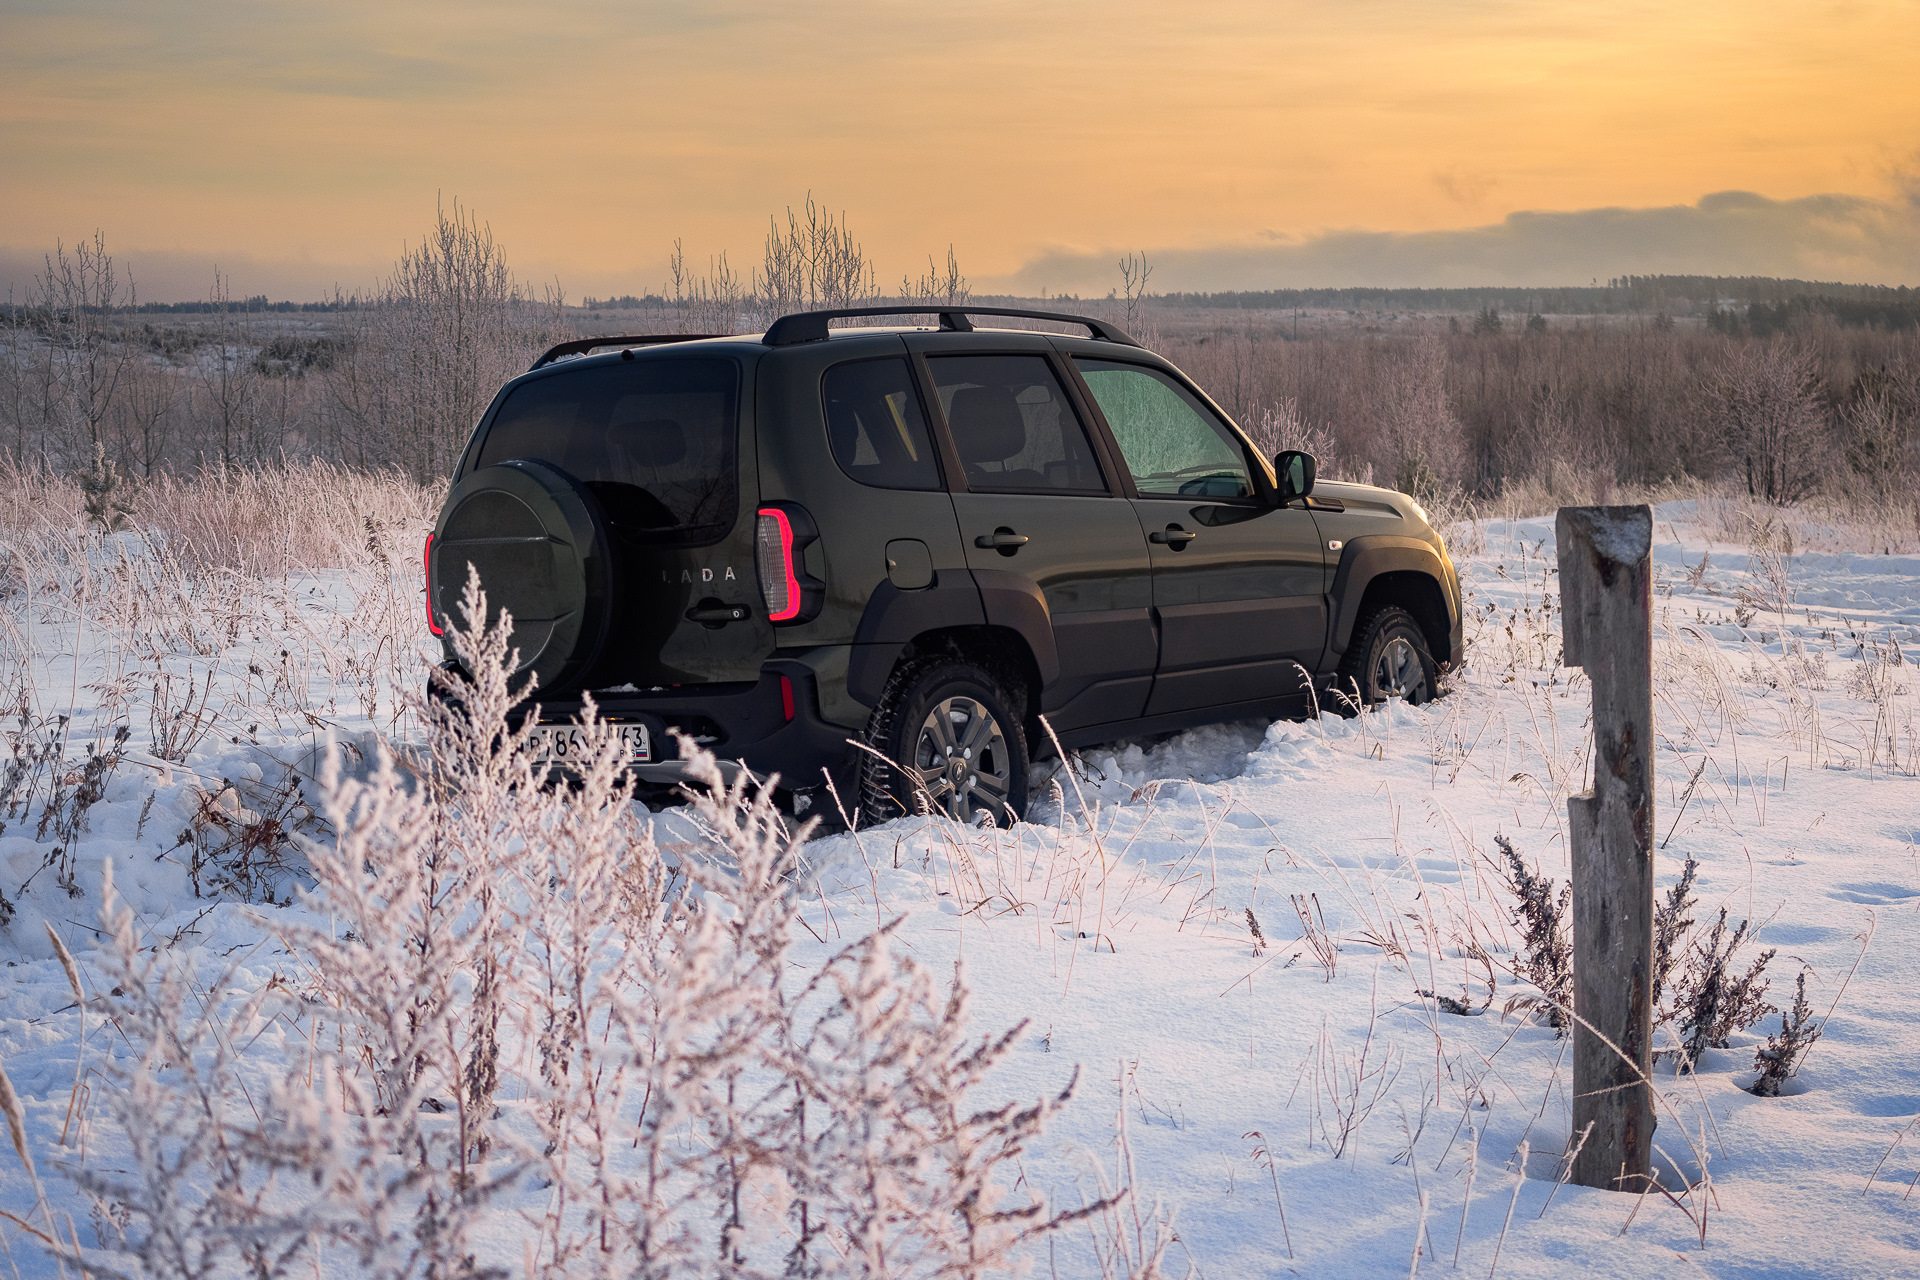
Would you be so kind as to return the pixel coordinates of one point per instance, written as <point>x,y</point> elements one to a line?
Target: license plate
<point>560,744</point>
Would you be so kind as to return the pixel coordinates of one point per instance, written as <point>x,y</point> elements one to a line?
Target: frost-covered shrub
<point>1670,925</point>
<point>1546,945</point>
<point>1711,998</point>
<point>1780,1059</point>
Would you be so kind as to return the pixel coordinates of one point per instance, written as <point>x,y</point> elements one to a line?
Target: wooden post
<point>1606,602</point>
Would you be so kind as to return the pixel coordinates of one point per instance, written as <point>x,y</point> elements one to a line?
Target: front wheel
<point>952,740</point>
<point>1388,658</point>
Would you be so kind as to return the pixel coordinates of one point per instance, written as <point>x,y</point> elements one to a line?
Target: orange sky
<point>300,144</point>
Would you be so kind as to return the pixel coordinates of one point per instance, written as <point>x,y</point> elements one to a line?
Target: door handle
<point>1002,539</point>
<point>716,615</point>
<point>1172,536</point>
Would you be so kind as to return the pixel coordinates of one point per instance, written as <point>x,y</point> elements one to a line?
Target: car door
<point>1040,519</point>
<point>1238,584</point>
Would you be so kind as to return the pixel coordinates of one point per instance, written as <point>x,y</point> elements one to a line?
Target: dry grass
<point>295,517</point>
<point>263,522</point>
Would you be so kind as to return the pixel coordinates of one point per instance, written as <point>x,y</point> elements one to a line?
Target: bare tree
<point>1878,437</point>
<point>144,420</point>
<point>1423,435</point>
<point>73,387</point>
<point>942,285</point>
<point>227,378</point>
<point>708,304</point>
<point>1135,271</point>
<point>1764,397</point>
<point>26,379</point>
<point>813,261</point>
<point>449,327</point>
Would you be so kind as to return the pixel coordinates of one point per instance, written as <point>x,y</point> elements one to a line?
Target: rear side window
<point>654,440</point>
<point>878,431</point>
<point>1013,427</point>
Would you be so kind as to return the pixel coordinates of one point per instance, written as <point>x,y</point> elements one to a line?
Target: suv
<point>880,555</point>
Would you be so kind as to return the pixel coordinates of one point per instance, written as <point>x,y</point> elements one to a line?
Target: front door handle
<point>1002,539</point>
<point>1172,536</point>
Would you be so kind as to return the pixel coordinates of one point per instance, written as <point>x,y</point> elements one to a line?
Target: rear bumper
<point>745,727</point>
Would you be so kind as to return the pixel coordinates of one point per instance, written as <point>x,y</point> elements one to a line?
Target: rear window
<point>654,440</point>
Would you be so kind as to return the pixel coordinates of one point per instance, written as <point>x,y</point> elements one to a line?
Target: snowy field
<point>1254,943</point>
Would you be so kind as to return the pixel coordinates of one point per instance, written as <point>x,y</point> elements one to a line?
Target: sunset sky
<point>1241,145</point>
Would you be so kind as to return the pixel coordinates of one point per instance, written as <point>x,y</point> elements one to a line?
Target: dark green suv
<point>883,554</point>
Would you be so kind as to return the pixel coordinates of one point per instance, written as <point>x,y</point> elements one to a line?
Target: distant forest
<point>1757,305</point>
<point>1737,301</point>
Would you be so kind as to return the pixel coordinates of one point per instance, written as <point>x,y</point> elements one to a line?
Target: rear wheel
<point>952,741</point>
<point>1388,658</point>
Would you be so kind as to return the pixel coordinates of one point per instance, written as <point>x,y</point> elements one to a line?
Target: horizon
<point>1757,289</point>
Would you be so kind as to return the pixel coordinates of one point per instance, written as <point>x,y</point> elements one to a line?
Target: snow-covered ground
<point>1304,1071</point>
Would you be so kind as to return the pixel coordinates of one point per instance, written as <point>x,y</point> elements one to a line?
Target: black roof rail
<point>811,326</point>
<point>580,346</point>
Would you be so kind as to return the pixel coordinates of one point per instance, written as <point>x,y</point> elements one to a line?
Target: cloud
<point>1729,233</point>
<point>1464,186</point>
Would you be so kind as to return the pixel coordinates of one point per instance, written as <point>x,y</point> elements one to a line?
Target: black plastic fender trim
<point>1013,601</point>
<point>1366,558</point>
<point>958,598</point>
<point>894,617</point>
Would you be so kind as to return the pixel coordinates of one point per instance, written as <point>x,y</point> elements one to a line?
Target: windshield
<point>653,440</point>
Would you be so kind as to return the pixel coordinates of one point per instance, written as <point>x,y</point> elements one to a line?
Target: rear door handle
<point>1172,536</point>
<point>717,613</point>
<point>999,539</point>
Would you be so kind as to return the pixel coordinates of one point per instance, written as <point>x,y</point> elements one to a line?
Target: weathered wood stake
<point>1606,601</point>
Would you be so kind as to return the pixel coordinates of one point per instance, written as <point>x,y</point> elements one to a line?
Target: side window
<point>1172,445</point>
<point>874,421</point>
<point>1013,426</point>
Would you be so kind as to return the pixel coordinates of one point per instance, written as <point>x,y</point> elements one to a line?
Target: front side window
<point>874,422</point>
<point>653,440</point>
<point>1171,444</point>
<point>1013,426</point>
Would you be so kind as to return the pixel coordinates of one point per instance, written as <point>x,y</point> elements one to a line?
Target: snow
<point>1238,1074</point>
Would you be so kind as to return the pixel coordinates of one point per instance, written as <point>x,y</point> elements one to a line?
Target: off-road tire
<point>988,780</point>
<point>1388,656</point>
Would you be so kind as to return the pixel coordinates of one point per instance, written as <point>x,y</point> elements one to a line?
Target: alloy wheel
<point>1399,673</point>
<point>961,761</point>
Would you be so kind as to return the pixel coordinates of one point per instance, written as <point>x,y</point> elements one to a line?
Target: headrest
<point>987,424</point>
<point>649,442</point>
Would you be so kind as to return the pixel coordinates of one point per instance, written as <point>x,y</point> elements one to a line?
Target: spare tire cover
<point>539,541</point>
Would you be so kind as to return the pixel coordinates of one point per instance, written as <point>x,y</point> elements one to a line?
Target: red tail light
<point>779,583</point>
<point>432,624</point>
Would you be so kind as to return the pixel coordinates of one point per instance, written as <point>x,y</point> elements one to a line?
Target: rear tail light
<point>779,584</point>
<point>433,624</point>
<point>782,533</point>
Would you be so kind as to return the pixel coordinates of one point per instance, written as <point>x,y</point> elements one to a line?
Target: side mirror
<point>1296,471</point>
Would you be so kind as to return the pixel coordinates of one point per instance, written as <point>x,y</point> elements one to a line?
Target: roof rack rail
<point>811,326</point>
<point>581,346</point>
